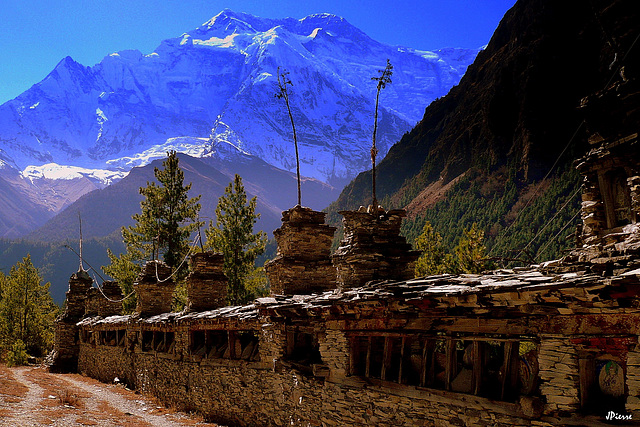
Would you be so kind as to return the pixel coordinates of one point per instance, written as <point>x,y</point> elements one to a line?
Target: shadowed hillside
<point>502,129</point>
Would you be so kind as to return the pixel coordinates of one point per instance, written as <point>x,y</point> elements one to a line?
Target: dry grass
<point>68,398</point>
<point>11,391</point>
<point>63,402</point>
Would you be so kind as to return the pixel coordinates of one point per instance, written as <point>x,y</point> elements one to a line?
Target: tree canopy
<point>469,255</point>
<point>167,218</point>
<point>27,312</point>
<point>233,236</point>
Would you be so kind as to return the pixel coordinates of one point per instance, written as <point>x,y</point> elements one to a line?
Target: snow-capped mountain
<point>212,90</point>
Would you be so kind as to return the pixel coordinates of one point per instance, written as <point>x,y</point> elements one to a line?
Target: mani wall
<point>352,339</point>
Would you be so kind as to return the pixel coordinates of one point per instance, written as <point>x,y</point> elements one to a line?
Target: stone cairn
<point>64,357</point>
<point>302,264</point>
<point>206,284</point>
<point>372,248</point>
<point>153,289</point>
<point>97,305</point>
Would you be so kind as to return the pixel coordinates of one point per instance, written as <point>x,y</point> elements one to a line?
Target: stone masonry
<point>64,357</point>
<point>154,289</point>
<point>206,284</point>
<point>302,264</point>
<point>372,249</point>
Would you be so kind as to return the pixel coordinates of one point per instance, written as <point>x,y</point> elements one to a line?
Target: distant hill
<point>55,262</point>
<point>479,153</point>
<point>105,211</point>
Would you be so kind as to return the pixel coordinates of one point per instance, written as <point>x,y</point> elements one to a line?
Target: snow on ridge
<point>55,171</point>
<point>189,145</point>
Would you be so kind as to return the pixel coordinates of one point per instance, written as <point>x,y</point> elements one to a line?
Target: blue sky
<point>36,34</point>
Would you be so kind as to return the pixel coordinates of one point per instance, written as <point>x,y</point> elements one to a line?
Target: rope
<point>85,261</point>
<point>558,233</point>
<point>192,246</point>
<point>106,297</point>
<point>549,222</point>
<point>535,193</point>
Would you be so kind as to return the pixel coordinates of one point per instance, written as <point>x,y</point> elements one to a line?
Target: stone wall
<point>302,264</point>
<point>261,394</point>
<point>64,357</point>
<point>154,289</point>
<point>372,249</point>
<point>559,375</point>
<point>206,284</point>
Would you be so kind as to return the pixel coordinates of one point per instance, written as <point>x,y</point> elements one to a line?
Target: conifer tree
<point>27,312</point>
<point>233,236</point>
<point>469,255</point>
<point>168,215</point>
<point>434,259</point>
<point>167,218</point>
<point>470,251</point>
<point>383,80</point>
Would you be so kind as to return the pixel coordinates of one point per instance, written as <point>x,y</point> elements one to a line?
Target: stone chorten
<point>64,357</point>
<point>372,248</point>
<point>154,289</point>
<point>206,284</point>
<point>97,304</point>
<point>610,232</point>
<point>302,265</point>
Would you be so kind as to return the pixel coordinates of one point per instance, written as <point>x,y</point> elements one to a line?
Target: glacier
<point>210,92</point>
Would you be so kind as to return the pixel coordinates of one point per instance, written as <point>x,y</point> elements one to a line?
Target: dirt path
<point>33,397</point>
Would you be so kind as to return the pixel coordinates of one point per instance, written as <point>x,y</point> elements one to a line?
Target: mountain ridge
<point>222,72</point>
<point>512,120</point>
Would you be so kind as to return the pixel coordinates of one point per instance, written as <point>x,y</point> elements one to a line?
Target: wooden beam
<point>587,377</point>
<point>367,371</point>
<point>478,366</point>
<point>354,355</point>
<point>403,343</point>
<point>291,342</point>
<point>450,370</point>
<point>425,363</point>
<point>506,364</point>
<point>386,358</point>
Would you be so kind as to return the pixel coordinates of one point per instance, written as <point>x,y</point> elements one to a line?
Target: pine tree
<point>434,259</point>
<point>168,215</point>
<point>167,218</point>
<point>27,312</point>
<point>470,251</point>
<point>233,236</point>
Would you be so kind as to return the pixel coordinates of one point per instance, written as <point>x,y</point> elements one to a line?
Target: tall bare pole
<point>283,81</point>
<point>383,79</point>
<point>81,268</point>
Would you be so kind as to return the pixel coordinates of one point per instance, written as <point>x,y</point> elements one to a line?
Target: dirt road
<point>30,396</point>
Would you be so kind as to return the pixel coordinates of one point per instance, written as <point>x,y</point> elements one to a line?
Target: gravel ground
<point>31,396</point>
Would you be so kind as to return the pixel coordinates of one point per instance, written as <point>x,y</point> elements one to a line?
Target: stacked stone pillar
<point>110,301</point>
<point>64,357</point>
<point>206,284</point>
<point>154,289</point>
<point>372,249</point>
<point>592,212</point>
<point>302,265</point>
<point>106,303</point>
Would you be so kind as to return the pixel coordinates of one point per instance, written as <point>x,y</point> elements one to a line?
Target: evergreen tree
<point>233,236</point>
<point>167,218</point>
<point>27,312</point>
<point>434,259</point>
<point>470,251</point>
